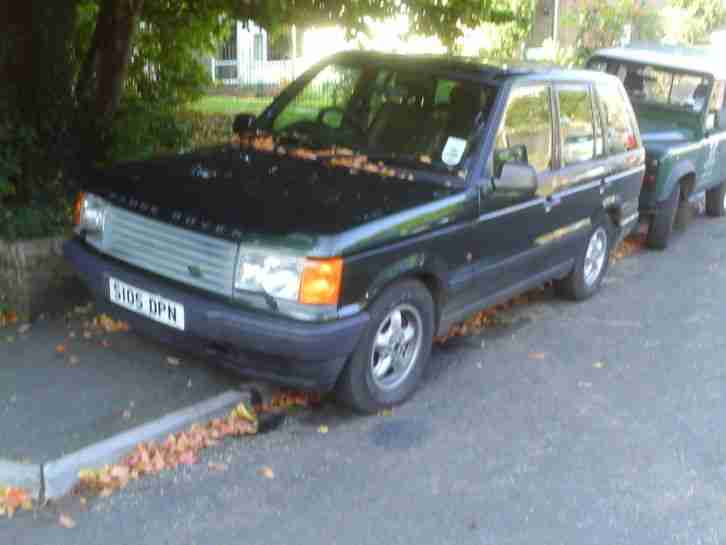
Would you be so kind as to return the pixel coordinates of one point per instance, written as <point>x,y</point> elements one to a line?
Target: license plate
<point>147,304</point>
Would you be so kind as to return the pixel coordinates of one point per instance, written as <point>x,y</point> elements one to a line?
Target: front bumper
<point>307,355</point>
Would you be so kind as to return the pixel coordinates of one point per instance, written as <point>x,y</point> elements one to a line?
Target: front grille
<point>170,251</point>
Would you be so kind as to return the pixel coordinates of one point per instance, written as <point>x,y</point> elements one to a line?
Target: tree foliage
<point>83,79</point>
<point>602,24</point>
<point>702,18</point>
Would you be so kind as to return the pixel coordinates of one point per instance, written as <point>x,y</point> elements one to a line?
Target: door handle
<point>551,202</point>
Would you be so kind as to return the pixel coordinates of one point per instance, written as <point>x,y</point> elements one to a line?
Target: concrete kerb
<point>56,478</point>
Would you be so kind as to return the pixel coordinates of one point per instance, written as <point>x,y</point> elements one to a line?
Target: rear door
<point>573,193</point>
<point>623,149</point>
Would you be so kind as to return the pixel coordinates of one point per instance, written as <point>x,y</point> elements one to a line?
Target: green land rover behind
<point>678,97</point>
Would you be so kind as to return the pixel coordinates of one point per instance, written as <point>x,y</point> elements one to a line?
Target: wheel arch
<point>684,172</point>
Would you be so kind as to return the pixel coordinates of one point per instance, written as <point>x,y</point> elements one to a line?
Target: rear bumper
<point>307,355</point>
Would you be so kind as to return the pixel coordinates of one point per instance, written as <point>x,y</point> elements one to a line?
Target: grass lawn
<point>228,105</point>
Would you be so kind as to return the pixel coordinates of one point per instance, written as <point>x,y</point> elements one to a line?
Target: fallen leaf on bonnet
<point>66,521</point>
<point>188,458</point>
<point>266,472</point>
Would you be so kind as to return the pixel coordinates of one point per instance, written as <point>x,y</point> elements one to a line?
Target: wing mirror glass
<point>517,177</point>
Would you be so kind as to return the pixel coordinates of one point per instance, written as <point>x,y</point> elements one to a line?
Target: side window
<point>577,129</point>
<point>525,134</point>
<point>619,129</point>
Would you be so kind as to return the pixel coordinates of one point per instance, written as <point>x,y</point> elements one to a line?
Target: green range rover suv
<point>678,97</point>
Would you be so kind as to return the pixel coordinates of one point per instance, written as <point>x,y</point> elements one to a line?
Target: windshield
<point>650,85</point>
<point>387,113</point>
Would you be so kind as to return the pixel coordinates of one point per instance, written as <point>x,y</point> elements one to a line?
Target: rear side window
<point>577,127</point>
<point>525,134</point>
<point>619,128</point>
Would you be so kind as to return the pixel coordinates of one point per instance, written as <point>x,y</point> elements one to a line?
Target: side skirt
<point>449,319</point>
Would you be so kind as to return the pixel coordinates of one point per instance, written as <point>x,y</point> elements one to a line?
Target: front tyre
<point>591,264</point>
<point>716,201</point>
<point>661,224</point>
<point>390,358</point>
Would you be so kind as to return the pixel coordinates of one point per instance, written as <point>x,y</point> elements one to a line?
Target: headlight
<point>276,275</point>
<point>90,213</point>
<point>294,278</point>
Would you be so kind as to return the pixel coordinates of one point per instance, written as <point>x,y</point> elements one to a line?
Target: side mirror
<point>517,177</point>
<point>243,122</point>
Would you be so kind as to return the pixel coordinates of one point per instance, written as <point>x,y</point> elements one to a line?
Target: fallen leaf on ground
<point>266,472</point>
<point>61,349</point>
<point>174,362</point>
<point>217,466</point>
<point>385,412</point>
<point>323,429</point>
<point>73,361</point>
<point>286,399</point>
<point>12,499</point>
<point>630,246</point>
<point>23,329</point>
<point>598,365</point>
<point>537,355</point>
<point>109,325</point>
<point>66,521</point>
<point>87,334</point>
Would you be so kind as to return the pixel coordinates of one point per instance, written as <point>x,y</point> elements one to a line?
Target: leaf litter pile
<point>184,447</point>
<point>13,499</point>
<point>181,448</point>
<point>7,317</point>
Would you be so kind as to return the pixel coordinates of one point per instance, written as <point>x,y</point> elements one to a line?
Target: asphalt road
<point>591,423</point>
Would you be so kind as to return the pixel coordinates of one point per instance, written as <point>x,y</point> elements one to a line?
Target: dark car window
<point>619,128</point>
<point>525,134</point>
<point>384,113</point>
<point>577,129</point>
<point>331,90</point>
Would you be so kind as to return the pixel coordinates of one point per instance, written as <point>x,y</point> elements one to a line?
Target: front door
<point>510,223</point>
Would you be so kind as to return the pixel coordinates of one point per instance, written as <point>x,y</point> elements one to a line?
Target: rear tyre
<point>716,201</point>
<point>591,264</point>
<point>661,225</point>
<point>387,365</point>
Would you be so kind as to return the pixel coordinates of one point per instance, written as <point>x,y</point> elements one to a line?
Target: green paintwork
<point>677,144</point>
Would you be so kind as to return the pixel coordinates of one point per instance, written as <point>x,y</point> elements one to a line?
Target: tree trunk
<point>102,77</point>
